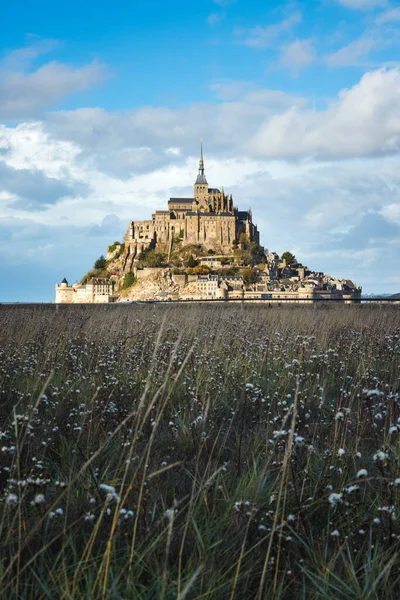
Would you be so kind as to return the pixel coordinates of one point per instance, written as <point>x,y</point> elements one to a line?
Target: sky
<point>102,106</point>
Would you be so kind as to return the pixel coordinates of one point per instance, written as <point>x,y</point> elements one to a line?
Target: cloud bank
<point>324,183</point>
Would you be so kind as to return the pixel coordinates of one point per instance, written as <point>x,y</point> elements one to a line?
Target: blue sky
<point>102,106</point>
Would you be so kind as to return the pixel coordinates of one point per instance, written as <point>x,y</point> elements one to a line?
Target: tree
<point>244,240</point>
<point>289,258</point>
<point>256,249</point>
<point>100,263</point>
<point>243,257</point>
<point>249,276</point>
<point>191,262</point>
<point>143,254</point>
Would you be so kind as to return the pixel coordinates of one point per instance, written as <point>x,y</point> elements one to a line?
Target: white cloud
<point>296,56</point>
<point>27,94</point>
<point>362,4</point>
<point>264,37</point>
<point>20,58</point>
<point>392,212</point>
<point>214,18</point>
<point>388,16</point>
<point>316,180</point>
<point>354,54</point>
<point>363,121</point>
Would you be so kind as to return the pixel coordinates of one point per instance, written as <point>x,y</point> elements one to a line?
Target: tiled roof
<point>181,200</point>
<point>201,178</point>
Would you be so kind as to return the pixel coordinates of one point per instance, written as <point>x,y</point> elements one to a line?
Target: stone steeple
<point>201,186</point>
<point>201,178</point>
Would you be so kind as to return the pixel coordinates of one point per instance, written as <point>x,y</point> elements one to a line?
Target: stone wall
<point>180,280</point>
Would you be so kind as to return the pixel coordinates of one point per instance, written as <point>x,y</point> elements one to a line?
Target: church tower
<point>201,185</point>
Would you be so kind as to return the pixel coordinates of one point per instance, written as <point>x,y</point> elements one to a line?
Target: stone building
<point>97,290</point>
<point>208,218</point>
<point>64,293</point>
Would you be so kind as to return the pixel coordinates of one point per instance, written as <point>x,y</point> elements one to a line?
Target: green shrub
<point>113,247</point>
<point>129,280</point>
<point>191,262</point>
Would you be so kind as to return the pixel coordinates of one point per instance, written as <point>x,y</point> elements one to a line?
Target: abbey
<point>209,218</point>
<point>201,248</point>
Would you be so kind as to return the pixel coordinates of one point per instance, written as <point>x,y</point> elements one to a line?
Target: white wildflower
<point>11,499</point>
<point>111,494</point>
<point>298,439</point>
<point>351,488</point>
<point>280,433</point>
<point>362,473</point>
<point>380,456</point>
<point>341,452</point>
<point>339,416</point>
<point>335,533</point>
<point>335,498</point>
<point>88,517</point>
<point>39,499</point>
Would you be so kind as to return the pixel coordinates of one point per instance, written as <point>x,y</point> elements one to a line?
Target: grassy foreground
<point>199,452</point>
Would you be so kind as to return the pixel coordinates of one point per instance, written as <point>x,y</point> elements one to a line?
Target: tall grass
<point>199,452</point>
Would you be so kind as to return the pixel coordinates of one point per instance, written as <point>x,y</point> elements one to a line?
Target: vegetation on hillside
<point>182,452</point>
<point>290,259</point>
<point>151,258</point>
<point>129,280</point>
<point>100,263</point>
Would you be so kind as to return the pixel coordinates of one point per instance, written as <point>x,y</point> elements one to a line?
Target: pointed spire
<point>201,178</point>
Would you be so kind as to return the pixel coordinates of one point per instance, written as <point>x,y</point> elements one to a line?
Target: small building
<point>97,290</point>
<point>207,285</point>
<point>64,293</point>
<point>214,262</point>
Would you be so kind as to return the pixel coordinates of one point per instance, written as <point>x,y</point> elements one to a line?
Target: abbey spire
<point>201,178</point>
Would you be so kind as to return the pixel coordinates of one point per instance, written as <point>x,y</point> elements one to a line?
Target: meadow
<point>187,452</point>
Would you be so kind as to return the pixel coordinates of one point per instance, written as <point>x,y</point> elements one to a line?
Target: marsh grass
<point>199,452</point>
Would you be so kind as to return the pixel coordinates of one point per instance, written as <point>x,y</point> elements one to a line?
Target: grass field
<point>219,452</point>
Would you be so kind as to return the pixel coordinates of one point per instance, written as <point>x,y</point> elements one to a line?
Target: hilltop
<point>201,247</point>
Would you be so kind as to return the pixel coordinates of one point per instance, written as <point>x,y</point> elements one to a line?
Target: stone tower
<point>201,185</point>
